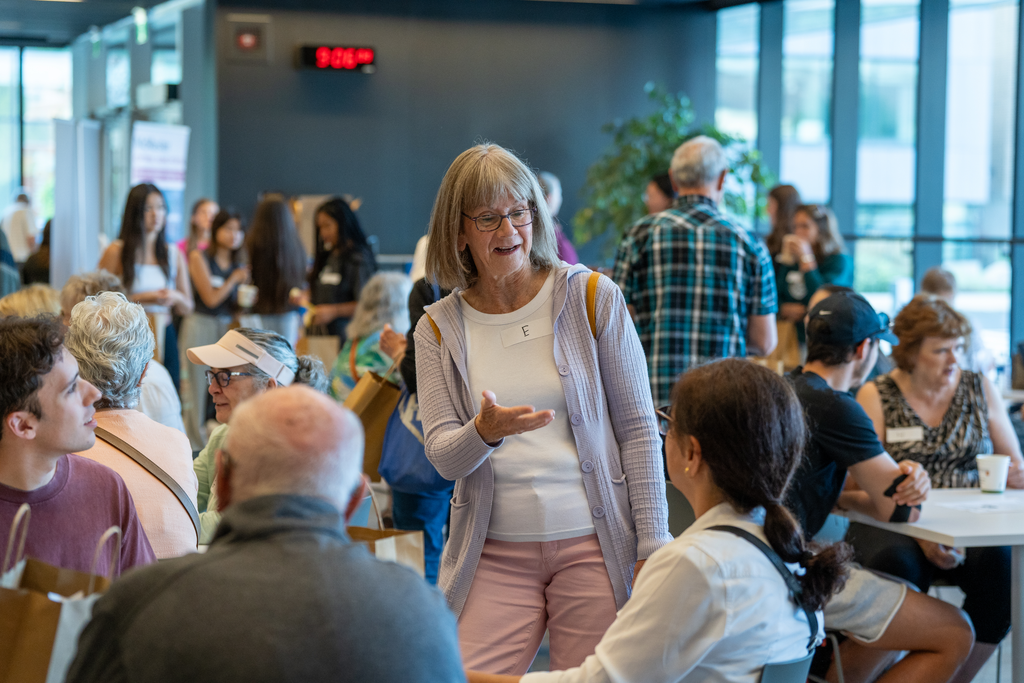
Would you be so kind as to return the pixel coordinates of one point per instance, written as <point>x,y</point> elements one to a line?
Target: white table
<point>971,529</point>
<point>1013,395</point>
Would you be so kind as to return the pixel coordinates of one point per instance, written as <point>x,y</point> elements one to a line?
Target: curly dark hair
<point>29,348</point>
<point>750,426</point>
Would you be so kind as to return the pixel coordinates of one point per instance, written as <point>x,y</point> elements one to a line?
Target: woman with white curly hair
<point>113,343</point>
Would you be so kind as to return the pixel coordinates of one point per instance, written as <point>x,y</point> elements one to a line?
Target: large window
<point>807,49</point>
<point>46,74</point>
<point>981,92</point>
<point>886,156</point>
<point>736,71</point>
<point>10,126</point>
<point>35,89</point>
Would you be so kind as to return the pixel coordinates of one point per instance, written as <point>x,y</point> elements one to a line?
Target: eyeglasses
<point>224,377</point>
<point>489,222</point>
<point>664,419</point>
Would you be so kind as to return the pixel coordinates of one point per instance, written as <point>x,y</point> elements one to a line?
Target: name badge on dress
<point>216,281</point>
<point>327,278</point>
<point>904,434</point>
<point>523,332</point>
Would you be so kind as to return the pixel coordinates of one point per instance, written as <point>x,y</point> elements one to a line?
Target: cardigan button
<point>598,511</point>
<point>563,370</point>
<point>576,419</point>
<point>587,466</point>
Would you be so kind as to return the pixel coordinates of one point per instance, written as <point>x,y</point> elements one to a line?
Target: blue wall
<point>540,78</point>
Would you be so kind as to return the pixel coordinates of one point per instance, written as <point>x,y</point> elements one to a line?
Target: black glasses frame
<point>501,217</point>
<point>223,377</point>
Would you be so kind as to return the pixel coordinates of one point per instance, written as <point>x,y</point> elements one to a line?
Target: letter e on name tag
<point>523,332</point>
<point>904,434</point>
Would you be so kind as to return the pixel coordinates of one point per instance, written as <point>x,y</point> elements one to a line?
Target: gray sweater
<point>282,595</point>
<point>612,417</point>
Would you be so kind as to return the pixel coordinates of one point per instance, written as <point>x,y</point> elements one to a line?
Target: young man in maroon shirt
<point>46,412</point>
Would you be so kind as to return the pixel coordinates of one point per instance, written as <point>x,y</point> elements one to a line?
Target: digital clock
<point>337,58</point>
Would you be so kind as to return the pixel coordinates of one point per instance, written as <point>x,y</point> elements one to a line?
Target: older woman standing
<point>931,411</point>
<point>112,341</point>
<point>546,424</point>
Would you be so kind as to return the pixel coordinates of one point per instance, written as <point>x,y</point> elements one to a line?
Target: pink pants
<point>521,589</point>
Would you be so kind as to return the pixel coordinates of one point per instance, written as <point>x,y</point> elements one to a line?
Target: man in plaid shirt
<point>699,287</point>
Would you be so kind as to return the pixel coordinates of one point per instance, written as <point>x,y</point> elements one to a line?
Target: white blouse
<point>707,607</point>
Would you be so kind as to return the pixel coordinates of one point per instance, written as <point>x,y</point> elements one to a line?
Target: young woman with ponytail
<point>710,605</point>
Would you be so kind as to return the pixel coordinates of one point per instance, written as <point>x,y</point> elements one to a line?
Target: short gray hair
<point>112,341</point>
<point>483,175</point>
<point>698,162</point>
<point>308,370</point>
<point>384,299</point>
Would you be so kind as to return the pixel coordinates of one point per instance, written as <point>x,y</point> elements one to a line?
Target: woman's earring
<point>686,471</point>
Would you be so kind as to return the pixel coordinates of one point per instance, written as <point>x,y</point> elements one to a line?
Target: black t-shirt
<point>841,435</point>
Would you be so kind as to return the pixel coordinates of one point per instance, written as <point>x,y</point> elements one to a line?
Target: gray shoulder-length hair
<point>483,175</point>
<point>111,339</point>
<point>384,299</point>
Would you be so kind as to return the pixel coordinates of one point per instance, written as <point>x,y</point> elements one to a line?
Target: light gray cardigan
<point>608,394</point>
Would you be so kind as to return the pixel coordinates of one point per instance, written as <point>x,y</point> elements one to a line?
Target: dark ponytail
<point>750,427</point>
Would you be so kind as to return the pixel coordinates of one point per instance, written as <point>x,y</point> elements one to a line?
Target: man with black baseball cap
<point>878,614</point>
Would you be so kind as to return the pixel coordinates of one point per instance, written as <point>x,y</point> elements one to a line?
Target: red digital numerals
<point>343,57</point>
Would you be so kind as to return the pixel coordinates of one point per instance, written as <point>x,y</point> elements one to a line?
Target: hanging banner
<point>160,157</point>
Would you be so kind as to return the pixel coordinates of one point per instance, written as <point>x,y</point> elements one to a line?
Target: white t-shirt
<point>538,484</point>
<point>158,399</point>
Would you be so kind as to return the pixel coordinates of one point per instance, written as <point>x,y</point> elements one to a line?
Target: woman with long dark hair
<point>710,605</point>
<point>216,274</point>
<point>344,263</point>
<point>278,262</point>
<point>153,274</point>
<point>203,213</point>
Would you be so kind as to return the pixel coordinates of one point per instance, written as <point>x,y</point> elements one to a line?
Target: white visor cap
<point>234,349</point>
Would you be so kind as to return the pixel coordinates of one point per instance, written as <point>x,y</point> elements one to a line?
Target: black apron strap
<point>795,589</point>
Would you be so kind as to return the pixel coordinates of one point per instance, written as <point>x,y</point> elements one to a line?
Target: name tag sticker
<point>523,332</point>
<point>327,278</point>
<point>904,434</point>
<point>216,281</point>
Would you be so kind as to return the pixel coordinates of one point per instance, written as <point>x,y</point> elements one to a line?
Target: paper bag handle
<point>376,510</point>
<point>20,523</point>
<point>112,531</point>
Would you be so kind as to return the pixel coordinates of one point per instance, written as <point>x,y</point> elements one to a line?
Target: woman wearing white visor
<point>243,363</point>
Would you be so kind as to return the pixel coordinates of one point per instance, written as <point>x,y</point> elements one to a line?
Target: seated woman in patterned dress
<point>930,410</point>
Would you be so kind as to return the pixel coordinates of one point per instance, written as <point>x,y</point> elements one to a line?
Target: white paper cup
<point>992,471</point>
<point>247,295</point>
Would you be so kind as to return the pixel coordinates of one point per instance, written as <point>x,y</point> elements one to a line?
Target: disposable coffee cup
<point>247,295</point>
<point>992,471</point>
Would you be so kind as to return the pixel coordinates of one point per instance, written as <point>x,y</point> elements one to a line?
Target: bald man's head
<point>294,440</point>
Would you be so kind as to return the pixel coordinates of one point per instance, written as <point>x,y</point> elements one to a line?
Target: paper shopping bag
<point>391,545</point>
<point>43,609</point>
<point>319,344</point>
<point>373,399</point>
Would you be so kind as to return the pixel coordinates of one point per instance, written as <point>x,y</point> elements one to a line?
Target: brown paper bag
<point>319,344</point>
<point>43,609</point>
<point>391,545</point>
<point>373,399</point>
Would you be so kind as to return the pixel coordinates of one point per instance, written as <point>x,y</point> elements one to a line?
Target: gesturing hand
<point>495,422</point>
<point>914,489</point>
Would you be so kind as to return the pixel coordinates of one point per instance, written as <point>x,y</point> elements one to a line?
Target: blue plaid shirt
<point>694,279</point>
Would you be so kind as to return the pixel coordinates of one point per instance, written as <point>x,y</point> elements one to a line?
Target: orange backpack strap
<point>352,359</point>
<point>437,332</point>
<point>591,302</point>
